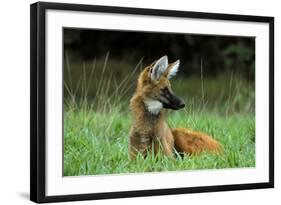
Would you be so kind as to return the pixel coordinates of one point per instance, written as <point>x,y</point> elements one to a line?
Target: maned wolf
<point>149,131</point>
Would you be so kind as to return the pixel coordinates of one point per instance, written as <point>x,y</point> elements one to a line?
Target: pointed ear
<point>173,69</point>
<point>159,68</point>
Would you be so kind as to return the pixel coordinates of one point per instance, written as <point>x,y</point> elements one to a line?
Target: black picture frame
<point>38,104</point>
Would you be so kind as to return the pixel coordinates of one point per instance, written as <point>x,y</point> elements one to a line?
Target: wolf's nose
<point>182,104</point>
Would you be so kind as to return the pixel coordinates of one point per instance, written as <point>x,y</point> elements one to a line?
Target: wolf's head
<point>155,88</point>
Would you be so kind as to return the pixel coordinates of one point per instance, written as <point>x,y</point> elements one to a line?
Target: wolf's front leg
<point>139,144</point>
<point>166,139</point>
<point>167,143</point>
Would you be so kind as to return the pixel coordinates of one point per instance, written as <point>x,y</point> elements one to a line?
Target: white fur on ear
<point>174,69</point>
<point>159,68</point>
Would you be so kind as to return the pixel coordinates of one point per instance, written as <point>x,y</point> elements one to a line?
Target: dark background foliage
<point>215,53</point>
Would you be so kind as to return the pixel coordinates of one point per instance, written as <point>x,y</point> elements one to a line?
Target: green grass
<point>97,121</point>
<point>97,143</point>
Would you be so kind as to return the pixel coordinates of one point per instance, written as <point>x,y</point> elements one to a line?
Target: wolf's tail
<point>192,142</point>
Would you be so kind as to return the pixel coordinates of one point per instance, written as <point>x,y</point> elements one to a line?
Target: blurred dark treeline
<point>214,53</point>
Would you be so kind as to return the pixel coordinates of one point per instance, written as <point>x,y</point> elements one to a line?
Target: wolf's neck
<point>146,112</point>
<point>153,106</point>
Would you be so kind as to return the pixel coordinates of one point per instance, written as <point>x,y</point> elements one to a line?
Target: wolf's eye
<point>165,90</point>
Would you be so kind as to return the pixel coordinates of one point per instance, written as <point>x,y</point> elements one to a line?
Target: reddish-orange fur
<point>151,131</point>
<point>192,142</point>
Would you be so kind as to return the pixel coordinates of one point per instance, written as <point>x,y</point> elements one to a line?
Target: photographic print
<point>153,102</point>
<point>130,102</point>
